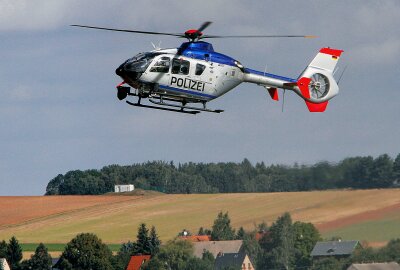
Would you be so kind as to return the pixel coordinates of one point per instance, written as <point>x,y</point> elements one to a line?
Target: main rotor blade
<point>204,26</point>
<point>129,31</point>
<point>260,36</point>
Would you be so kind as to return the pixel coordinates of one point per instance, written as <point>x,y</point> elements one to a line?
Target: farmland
<point>371,215</point>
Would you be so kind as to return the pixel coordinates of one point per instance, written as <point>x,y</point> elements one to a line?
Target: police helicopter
<point>185,79</point>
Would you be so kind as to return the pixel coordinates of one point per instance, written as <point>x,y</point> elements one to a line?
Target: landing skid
<point>162,108</point>
<point>161,103</point>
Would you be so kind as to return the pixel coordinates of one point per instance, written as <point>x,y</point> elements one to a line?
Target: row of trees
<point>12,252</point>
<point>356,172</point>
<point>85,251</point>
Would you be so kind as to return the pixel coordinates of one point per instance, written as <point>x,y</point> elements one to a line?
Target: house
<point>234,260</point>
<point>337,249</point>
<point>216,247</point>
<point>124,188</point>
<point>375,266</point>
<point>4,264</point>
<point>54,263</point>
<point>137,261</point>
<point>196,238</point>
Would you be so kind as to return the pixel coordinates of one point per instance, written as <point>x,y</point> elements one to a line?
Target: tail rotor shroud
<point>319,86</point>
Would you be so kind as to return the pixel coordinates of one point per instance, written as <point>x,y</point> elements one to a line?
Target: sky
<point>58,105</point>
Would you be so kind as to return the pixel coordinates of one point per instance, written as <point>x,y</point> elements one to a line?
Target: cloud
<point>382,52</point>
<point>30,15</point>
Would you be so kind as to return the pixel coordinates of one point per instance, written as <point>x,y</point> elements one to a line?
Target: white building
<point>4,263</point>
<point>124,188</point>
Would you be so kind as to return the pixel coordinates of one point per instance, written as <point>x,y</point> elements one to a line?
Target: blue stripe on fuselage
<point>185,91</point>
<point>252,71</point>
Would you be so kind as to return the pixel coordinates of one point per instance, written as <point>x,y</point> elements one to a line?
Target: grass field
<point>371,215</point>
<point>51,247</point>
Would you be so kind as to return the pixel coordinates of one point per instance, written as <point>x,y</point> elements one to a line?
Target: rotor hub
<point>193,34</point>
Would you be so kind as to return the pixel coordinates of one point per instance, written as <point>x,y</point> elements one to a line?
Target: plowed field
<point>359,214</point>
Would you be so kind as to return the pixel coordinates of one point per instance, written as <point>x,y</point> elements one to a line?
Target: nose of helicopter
<point>120,70</point>
<point>127,71</point>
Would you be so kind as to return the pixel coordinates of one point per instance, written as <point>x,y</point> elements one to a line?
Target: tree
<point>240,234</point>
<point>278,247</point>
<point>381,175</point>
<point>41,260</point>
<point>305,238</point>
<point>251,246</point>
<point>121,260</point>
<point>201,231</point>
<point>86,251</point>
<point>222,230</point>
<point>143,245</point>
<point>392,250</point>
<point>396,169</point>
<point>262,227</point>
<point>175,255</point>
<point>3,249</point>
<point>154,241</point>
<point>327,264</point>
<point>14,253</point>
<point>199,264</point>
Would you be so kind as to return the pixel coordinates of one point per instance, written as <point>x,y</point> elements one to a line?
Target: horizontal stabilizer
<point>316,107</point>
<point>273,92</point>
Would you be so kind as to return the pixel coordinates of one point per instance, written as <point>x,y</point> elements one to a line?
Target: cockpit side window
<point>199,69</point>
<point>162,65</point>
<point>180,66</point>
<point>140,62</point>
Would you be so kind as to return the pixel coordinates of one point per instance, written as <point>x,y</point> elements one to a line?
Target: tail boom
<point>315,85</point>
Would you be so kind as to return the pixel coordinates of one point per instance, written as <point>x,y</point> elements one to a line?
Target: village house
<point>124,188</point>
<point>217,247</point>
<point>375,266</point>
<point>137,261</point>
<point>337,249</point>
<point>196,238</point>
<point>233,260</point>
<point>4,264</point>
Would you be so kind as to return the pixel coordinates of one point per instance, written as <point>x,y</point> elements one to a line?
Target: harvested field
<point>115,219</point>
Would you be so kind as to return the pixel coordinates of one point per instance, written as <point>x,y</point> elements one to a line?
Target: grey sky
<point>59,111</point>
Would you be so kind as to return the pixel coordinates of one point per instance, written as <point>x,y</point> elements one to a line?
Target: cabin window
<point>162,65</point>
<point>199,69</point>
<point>180,66</point>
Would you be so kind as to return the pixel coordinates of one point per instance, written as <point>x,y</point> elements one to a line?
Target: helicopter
<point>185,79</point>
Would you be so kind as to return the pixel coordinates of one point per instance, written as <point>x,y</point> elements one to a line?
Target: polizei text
<point>188,83</point>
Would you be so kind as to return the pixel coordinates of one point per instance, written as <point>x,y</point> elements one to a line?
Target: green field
<point>376,231</point>
<point>51,247</point>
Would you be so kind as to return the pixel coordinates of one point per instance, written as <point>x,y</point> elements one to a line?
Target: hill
<point>371,215</point>
<point>229,177</point>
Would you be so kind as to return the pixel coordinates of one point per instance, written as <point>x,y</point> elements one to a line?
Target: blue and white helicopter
<point>184,79</point>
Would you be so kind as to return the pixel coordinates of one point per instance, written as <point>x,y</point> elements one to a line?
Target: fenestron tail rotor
<point>319,86</point>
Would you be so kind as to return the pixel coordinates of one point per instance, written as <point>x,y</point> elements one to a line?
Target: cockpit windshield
<point>140,62</point>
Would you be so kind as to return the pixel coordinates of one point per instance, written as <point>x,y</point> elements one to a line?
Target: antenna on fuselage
<point>341,75</point>
<point>156,47</point>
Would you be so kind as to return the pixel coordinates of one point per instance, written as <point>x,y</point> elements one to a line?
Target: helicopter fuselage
<point>193,74</point>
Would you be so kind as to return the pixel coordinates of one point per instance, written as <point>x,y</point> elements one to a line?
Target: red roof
<point>196,238</point>
<point>136,262</point>
<point>260,235</point>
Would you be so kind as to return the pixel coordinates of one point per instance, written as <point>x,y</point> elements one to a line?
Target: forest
<point>362,172</point>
